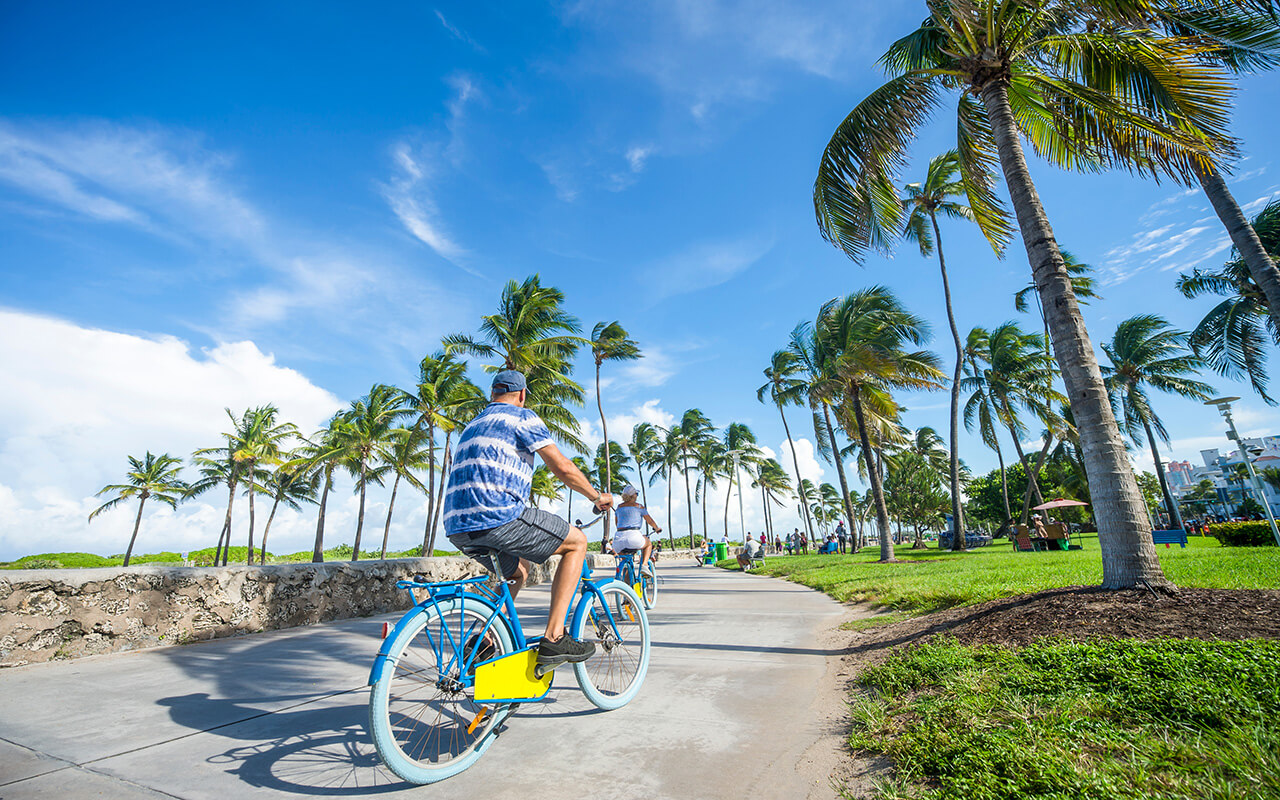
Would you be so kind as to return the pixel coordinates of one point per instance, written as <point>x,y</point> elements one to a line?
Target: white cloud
<point>408,193</point>
<point>703,265</point>
<point>77,401</point>
<point>458,34</point>
<point>636,157</point>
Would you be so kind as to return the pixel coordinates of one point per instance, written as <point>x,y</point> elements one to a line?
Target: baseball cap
<point>509,380</point>
<point>630,491</point>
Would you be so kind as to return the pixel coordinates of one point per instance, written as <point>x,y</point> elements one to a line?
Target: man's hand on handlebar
<point>605,500</point>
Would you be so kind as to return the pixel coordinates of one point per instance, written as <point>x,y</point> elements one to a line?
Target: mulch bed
<point>1087,612</point>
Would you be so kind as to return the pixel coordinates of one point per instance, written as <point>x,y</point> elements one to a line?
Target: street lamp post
<point>1223,404</point>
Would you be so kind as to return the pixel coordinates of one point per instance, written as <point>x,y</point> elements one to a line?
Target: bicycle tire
<point>649,583</point>
<point>612,677</point>
<point>422,736</point>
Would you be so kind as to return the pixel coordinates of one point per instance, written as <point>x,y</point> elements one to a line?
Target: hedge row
<point>1242,534</point>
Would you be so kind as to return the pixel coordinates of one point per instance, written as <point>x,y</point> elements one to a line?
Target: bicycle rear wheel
<point>649,585</point>
<point>424,720</point>
<point>616,622</point>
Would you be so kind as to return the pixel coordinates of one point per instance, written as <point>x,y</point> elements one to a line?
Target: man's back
<point>493,468</point>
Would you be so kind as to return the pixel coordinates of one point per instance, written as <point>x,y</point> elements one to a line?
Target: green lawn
<point>929,580</point>
<point>1172,718</point>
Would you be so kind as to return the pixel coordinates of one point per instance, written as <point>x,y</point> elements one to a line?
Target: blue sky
<point>291,204</point>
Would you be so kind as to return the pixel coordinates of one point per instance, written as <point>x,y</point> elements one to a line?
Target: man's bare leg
<point>516,582</point>
<point>572,552</point>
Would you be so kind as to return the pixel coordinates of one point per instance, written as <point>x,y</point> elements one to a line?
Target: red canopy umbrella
<point>1059,503</point>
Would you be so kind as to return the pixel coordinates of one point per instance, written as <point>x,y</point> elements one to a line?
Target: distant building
<point>1220,470</point>
<point>1179,475</point>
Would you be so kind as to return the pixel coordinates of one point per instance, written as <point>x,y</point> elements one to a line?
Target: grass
<point>878,621</point>
<point>1171,718</point>
<point>930,580</point>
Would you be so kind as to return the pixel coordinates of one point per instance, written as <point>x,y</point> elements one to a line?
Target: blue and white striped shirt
<point>492,468</point>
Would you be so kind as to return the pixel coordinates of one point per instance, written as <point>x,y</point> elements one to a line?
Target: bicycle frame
<point>500,604</point>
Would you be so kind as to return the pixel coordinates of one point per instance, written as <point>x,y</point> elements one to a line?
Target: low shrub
<point>1242,534</point>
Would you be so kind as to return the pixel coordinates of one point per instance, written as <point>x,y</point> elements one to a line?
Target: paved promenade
<point>738,704</point>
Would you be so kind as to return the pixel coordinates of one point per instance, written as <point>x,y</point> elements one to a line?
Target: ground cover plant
<point>1103,719</point>
<point>929,580</point>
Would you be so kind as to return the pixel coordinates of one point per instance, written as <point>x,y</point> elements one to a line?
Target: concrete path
<point>739,703</point>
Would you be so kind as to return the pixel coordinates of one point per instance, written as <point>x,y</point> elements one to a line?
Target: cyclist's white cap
<point>630,491</point>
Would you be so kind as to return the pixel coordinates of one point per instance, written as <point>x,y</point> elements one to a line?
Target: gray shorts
<point>535,535</point>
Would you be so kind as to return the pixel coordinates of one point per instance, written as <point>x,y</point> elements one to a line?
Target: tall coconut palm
<point>1146,351</point>
<point>816,353</point>
<point>291,484</point>
<point>216,469</point>
<point>1232,338</point>
<point>669,460</point>
<point>322,453</point>
<point>369,436</point>
<point>979,409</point>
<point>1020,376</point>
<point>587,472</point>
<point>1088,90</point>
<point>712,462</point>
<point>940,193</point>
<point>609,342</point>
<point>532,333</point>
<point>463,403</point>
<point>543,485</point>
<point>685,439</point>
<point>259,440</point>
<point>871,330</point>
<point>774,485</point>
<point>784,387</point>
<point>148,477</point>
<point>439,376</point>
<point>646,451</point>
<point>411,451</point>
<point>740,438</point>
<point>612,454</point>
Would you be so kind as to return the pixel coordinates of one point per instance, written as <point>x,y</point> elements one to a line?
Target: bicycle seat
<point>628,552</point>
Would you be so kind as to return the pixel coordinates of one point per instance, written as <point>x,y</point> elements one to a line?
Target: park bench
<point>1169,537</point>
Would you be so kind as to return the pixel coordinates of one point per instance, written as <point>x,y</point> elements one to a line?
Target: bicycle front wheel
<point>615,621</point>
<point>649,585</point>
<point>423,717</point>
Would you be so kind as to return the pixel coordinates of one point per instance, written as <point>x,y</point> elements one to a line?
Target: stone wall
<point>68,613</point>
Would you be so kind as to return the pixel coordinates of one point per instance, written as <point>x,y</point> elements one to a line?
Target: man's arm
<point>571,476</point>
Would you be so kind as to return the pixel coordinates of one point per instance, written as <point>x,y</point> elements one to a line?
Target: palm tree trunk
<point>671,535</point>
<point>1261,268</point>
<point>873,475</point>
<point>317,552</point>
<point>702,503</point>
<point>608,464</point>
<point>1033,481</point>
<point>355,551</point>
<point>262,555</point>
<point>445,464</point>
<point>386,529</point>
<point>1124,536</point>
<point>1175,517</point>
<point>729,493</point>
<point>957,507</point>
<point>431,490</point>
<point>835,452</point>
<point>249,562</point>
<point>1026,497</point>
<point>137,523</point>
<point>226,525</point>
<point>1004,483</point>
<point>795,462</point>
<point>688,498</point>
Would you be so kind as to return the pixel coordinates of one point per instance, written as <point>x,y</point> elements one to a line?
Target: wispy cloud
<point>703,265</point>
<point>458,34</point>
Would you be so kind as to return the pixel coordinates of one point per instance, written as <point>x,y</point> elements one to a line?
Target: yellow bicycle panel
<point>511,678</point>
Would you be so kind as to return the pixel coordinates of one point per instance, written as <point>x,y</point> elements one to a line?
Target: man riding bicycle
<point>630,515</point>
<point>486,506</point>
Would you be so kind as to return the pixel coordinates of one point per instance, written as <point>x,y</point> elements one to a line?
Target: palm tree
<point>291,484</point>
<point>712,462</point>
<point>259,440</point>
<point>980,410</point>
<point>1232,338</point>
<point>646,451</point>
<point>817,354</point>
<point>612,454</point>
<point>609,342</point>
<point>1087,91</point>
<point>216,468</point>
<point>938,194</point>
<point>784,388</point>
<point>533,334</point>
<point>544,485</point>
<point>463,403</point>
<point>669,460</point>
<point>740,438</point>
<point>1147,351</point>
<point>322,453</point>
<point>369,439</point>
<point>684,441</point>
<point>588,473</point>
<point>411,451</point>
<point>871,329</point>
<point>439,375</point>
<point>774,483</point>
<point>150,476</point>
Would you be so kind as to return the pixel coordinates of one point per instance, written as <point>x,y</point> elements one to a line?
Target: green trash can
<point>722,551</point>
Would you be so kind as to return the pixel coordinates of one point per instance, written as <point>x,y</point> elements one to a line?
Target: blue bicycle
<point>457,665</point>
<point>643,579</point>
